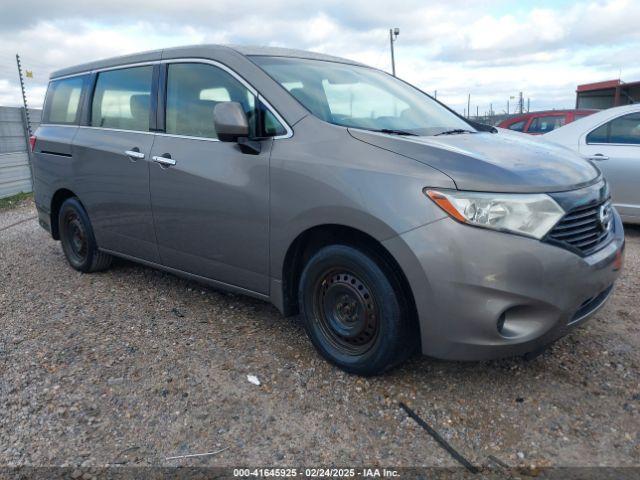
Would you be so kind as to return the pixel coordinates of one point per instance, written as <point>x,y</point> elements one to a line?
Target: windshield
<point>360,97</point>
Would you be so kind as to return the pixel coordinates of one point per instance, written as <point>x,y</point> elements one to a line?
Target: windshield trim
<point>360,65</point>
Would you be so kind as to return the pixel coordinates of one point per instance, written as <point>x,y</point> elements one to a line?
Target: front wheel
<point>77,238</point>
<point>354,310</point>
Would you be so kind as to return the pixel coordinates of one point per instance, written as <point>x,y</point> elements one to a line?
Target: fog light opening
<point>519,322</point>
<point>500,324</point>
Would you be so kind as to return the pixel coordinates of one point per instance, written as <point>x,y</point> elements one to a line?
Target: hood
<point>493,162</point>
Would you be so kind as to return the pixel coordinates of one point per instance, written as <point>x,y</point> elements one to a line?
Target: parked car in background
<point>331,189</point>
<point>612,139</point>
<point>539,123</point>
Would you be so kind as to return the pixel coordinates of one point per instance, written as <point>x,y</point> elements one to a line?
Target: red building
<point>611,93</point>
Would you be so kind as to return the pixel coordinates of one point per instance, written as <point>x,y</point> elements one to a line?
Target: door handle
<point>134,154</point>
<point>598,157</point>
<point>164,160</point>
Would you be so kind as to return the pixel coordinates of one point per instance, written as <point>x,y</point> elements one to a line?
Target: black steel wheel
<point>354,310</point>
<point>346,311</point>
<point>77,238</point>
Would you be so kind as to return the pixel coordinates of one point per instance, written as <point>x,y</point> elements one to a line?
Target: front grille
<point>582,231</point>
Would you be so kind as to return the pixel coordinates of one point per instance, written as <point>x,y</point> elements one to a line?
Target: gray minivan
<point>331,189</point>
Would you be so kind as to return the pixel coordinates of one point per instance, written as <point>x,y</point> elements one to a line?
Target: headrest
<point>139,105</point>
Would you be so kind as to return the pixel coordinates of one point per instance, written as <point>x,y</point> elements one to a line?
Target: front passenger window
<point>624,130</point>
<point>193,91</point>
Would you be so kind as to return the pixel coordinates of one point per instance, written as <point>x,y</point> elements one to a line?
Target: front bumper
<point>482,294</point>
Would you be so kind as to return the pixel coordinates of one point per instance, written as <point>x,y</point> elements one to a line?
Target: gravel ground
<point>132,366</point>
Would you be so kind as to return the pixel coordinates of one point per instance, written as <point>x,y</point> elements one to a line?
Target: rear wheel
<point>77,238</point>
<point>354,310</point>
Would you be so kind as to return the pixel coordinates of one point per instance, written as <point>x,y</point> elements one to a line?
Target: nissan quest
<point>338,192</point>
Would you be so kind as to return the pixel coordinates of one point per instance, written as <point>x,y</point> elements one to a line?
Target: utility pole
<point>520,103</point>
<point>468,105</point>
<point>435,94</point>
<point>528,104</point>
<point>24,97</point>
<point>393,36</point>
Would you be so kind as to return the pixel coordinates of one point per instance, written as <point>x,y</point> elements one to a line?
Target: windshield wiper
<point>455,131</point>
<point>396,132</point>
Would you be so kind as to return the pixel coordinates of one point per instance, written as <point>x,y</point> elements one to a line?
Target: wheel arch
<point>57,200</point>
<point>308,242</point>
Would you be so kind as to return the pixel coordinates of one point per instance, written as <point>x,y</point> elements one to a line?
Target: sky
<point>490,50</point>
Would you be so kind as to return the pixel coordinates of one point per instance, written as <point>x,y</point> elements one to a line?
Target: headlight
<point>527,214</point>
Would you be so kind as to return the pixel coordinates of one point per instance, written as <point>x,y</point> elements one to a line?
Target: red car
<point>538,123</point>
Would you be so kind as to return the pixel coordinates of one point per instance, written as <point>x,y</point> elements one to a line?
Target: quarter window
<point>599,135</point>
<point>271,127</point>
<point>63,100</point>
<point>122,99</point>
<point>193,91</point>
<point>622,130</point>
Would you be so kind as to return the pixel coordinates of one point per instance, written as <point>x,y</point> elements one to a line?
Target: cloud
<point>456,47</point>
<point>508,37</point>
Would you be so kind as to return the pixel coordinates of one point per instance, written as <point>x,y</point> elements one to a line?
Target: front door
<point>113,156</point>
<point>210,201</point>
<point>615,149</point>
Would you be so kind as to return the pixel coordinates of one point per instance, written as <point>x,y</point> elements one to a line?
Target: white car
<point>611,139</point>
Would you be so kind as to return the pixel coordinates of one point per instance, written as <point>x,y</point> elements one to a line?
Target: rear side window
<point>63,101</point>
<point>121,99</point>
<point>623,130</point>
<point>546,124</point>
<point>193,91</point>
<point>518,126</point>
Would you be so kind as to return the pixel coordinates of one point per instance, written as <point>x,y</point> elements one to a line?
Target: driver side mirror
<point>230,121</point>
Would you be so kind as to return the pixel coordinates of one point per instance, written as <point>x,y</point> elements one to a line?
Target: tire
<point>77,238</point>
<point>354,311</point>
